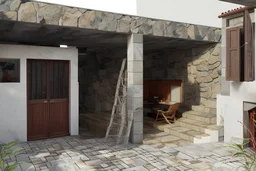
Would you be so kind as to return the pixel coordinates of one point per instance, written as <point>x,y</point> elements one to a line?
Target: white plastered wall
<point>117,6</point>
<point>13,96</point>
<point>231,108</point>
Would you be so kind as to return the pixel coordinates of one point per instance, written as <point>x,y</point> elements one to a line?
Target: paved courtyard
<point>77,153</point>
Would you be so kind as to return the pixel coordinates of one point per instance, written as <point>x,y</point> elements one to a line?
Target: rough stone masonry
<point>42,13</point>
<point>198,68</point>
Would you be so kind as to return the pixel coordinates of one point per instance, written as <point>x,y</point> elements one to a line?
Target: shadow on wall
<point>199,69</point>
<point>236,85</point>
<point>98,74</point>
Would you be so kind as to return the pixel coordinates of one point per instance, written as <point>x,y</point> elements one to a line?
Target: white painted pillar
<point>135,85</point>
<point>225,85</point>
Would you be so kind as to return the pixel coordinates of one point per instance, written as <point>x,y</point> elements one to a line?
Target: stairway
<point>196,126</point>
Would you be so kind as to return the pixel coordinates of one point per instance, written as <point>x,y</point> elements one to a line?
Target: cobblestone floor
<point>77,153</point>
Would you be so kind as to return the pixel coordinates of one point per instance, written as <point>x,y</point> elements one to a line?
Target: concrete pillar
<point>135,85</point>
<point>225,85</point>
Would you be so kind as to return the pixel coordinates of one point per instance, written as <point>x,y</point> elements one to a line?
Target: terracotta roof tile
<point>236,11</point>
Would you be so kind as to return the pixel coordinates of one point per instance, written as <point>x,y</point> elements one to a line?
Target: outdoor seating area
<point>169,115</point>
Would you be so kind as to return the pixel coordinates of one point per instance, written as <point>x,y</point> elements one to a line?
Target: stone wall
<point>42,13</point>
<point>98,74</point>
<point>198,68</point>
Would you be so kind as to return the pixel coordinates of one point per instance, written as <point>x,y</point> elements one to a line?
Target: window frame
<point>17,67</point>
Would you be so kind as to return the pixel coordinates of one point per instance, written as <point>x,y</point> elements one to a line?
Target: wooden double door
<point>47,99</point>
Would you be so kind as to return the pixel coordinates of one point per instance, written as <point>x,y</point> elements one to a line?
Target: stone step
<point>164,139</point>
<point>200,116</point>
<point>193,124</point>
<point>187,134</point>
<point>201,126</point>
<point>200,108</point>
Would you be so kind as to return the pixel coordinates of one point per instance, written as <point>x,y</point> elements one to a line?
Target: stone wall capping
<point>45,13</point>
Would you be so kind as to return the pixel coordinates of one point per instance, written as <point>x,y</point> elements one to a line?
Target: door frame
<point>48,89</point>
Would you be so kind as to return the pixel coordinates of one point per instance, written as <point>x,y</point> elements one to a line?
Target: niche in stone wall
<point>162,90</point>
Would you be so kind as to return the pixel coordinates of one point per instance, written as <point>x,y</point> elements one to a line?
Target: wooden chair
<point>168,115</point>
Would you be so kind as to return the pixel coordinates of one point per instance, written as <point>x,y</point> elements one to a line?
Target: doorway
<point>47,99</point>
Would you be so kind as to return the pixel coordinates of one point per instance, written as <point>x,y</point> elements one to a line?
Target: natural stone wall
<point>98,74</point>
<point>198,68</point>
<point>35,12</point>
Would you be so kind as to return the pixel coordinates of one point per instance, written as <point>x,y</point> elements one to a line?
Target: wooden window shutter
<point>249,63</point>
<point>233,59</point>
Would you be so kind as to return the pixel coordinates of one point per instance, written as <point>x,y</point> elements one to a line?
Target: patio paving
<point>77,153</point>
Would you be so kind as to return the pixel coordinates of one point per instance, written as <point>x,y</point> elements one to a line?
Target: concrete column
<point>225,85</point>
<point>135,85</point>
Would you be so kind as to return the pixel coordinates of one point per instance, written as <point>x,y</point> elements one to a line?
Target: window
<point>9,70</point>
<point>240,51</point>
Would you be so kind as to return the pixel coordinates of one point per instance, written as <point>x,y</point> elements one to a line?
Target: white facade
<point>231,107</point>
<point>201,12</point>
<point>13,96</point>
<point>115,6</point>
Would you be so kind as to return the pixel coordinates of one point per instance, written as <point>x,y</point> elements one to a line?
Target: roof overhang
<point>42,14</point>
<point>13,32</point>
<point>242,2</point>
<point>237,11</point>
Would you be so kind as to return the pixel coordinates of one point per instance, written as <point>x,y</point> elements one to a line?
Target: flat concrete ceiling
<point>46,35</point>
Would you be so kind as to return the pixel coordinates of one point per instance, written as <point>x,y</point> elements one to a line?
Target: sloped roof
<point>236,11</point>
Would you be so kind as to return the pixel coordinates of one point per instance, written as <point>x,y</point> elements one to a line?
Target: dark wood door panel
<point>59,118</point>
<point>37,107</point>
<point>59,106</point>
<point>47,99</point>
<point>37,79</point>
<point>38,121</point>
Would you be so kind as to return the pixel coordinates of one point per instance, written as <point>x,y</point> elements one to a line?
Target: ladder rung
<point>120,101</point>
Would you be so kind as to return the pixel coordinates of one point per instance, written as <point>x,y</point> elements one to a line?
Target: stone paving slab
<point>96,154</point>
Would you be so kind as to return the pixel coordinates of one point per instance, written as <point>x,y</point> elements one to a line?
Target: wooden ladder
<point>119,116</point>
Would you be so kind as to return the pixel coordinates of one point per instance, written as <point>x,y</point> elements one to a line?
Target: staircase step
<point>185,133</point>
<point>200,116</point>
<point>164,139</point>
<point>161,126</point>
<point>220,129</point>
<point>193,124</point>
<point>200,108</point>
